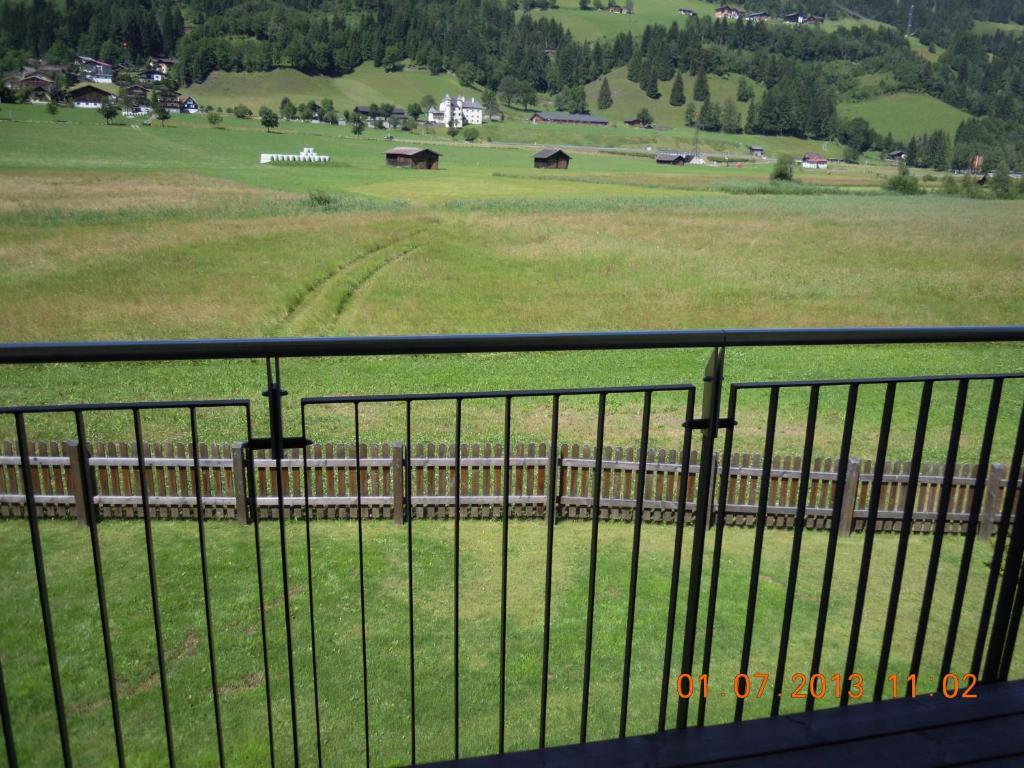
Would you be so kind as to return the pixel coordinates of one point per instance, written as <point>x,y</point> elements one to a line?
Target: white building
<point>458,111</point>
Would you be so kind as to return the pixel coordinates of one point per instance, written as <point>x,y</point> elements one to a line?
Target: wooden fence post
<point>238,476</point>
<point>75,480</point>
<point>397,483</point>
<point>850,493</point>
<point>990,502</point>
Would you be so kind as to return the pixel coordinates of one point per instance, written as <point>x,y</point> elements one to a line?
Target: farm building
<point>151,76</point>
<point>897,156</point>
<point>95,70</point>
<point>413,157</point>
<point>89,96</point>
<point>802,18</point>
<point>551,158</point>
<point>162,64</point>
<point>726,12</point>
<point>673,158</point>
<point>687,12</point>
<point>567,117</point>
<point>757,151</point>
<point>814,160</point>
<point>760,17</point>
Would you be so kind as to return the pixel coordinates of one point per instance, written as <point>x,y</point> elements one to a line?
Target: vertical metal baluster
<point>634,563</point>
<point>972,525</point>
<point>309,578</point>
<point>869,539</point>
<point>595,517</point>
<point>253,503</point>
<point>833,533</point>
<point>945,493</point>
<point>101,591</point>
<point>408,539</point>
<point>1014,626</point>
<point>552,512</point>
<point>5,721</point>
<point>901,548</point>
<point>762,516</point>
<point>201,516</point>
<point>455,564</point>
<point>503,650</point>
<point>697,565</point>
<point>44,597</point>
<point>274,394</point>
<point>362,591</point>
<point>154,597</point>
<point>1012,482</point>
<point>677,552</point>
<point>794,555</point>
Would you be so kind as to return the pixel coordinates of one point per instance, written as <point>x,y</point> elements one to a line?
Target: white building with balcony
<point>458,111</point>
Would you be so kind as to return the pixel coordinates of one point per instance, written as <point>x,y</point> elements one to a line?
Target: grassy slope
<point>207,258</point>
<point>591,25</point>
<point>906,114</point>
<point>234,602</point>
<point>367,85</point>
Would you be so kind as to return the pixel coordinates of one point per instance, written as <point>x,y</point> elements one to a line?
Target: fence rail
<point>332,470</point>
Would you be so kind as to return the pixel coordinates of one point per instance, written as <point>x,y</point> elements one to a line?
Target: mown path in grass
<point>236,621</point>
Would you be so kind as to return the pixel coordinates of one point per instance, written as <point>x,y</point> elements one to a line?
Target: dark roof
<point>544,154</point>
<point>814,157</point>
<point>410,151</point>
<point>667,157</point>
<point>572,117</point>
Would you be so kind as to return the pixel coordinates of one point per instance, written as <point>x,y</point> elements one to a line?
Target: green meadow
<point>139,232</point>
<point>906,114</point>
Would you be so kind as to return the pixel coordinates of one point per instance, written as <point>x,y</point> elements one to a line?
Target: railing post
<point>397,483</point>
<point>990,504</point>
<point>75,476</point>
<point>850,493</point>
<point>238,477</point>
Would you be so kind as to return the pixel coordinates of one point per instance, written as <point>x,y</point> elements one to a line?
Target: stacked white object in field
<point>307,155</point>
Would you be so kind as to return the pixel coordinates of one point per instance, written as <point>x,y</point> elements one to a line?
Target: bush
<point>783,169</point>
<point>318,199</point>
<point>242,112</point>
<point>903,182</point>
<point>470,134</point>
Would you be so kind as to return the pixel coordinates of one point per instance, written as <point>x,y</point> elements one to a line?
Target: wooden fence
<point>169,470</point>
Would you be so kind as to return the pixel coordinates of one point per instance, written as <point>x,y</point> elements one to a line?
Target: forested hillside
<point>501,46</point>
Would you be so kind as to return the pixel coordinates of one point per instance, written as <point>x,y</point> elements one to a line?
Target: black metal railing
<point>702,605</point>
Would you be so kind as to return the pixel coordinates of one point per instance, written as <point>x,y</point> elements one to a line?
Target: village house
<point>94,70</point>
<point>551,158</point>
<point>574,118</point>
<point>169,100</point>
<point>150,76</point>
<point>636,122</point>
<point>814,160</point>
<point>188,105</point>
<point>397,115</point>
<point>89,96</point>
<point>897,156</point>
<point>162,65</point>
<point>687,12</point>
<point>136,101</point>
<point>37,87</point>
<point>457,112</point>
<point>412,157</point>
<point>802,18</point>
<point>673,158</point>
<point>757,151</point>
<point>613,8</point>
<point>760,17</point>
<point>727,12</point>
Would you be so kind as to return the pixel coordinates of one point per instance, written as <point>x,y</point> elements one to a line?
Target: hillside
<point>905,114</point>
<point>367,85</point>
<point>594,24</point>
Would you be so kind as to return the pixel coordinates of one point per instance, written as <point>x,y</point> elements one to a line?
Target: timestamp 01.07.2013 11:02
<point>755,685</point>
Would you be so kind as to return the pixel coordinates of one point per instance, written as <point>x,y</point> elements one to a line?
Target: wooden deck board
<point>914,733</point>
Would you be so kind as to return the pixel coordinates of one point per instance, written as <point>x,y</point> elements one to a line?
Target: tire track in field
<point>322,302</point>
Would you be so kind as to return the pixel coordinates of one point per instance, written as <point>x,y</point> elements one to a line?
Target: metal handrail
<point>355,346</point>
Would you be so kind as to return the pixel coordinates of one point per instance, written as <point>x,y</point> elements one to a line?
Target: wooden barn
<point>672,158</point>
<point>551,158</point>
<point>412,157</point>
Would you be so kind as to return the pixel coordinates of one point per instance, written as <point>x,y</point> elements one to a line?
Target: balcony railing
<point>867,566</point>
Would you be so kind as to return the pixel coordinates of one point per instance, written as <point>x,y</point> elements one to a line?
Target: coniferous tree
<point>750,125</point>
<point>743,91</point>
<point>678,96</point>
<point>604,96</point>
<point>635,69</point>
<point>730,117</point>
<point>690,116</point>
<point>700,86</point>
<point>650,83</point>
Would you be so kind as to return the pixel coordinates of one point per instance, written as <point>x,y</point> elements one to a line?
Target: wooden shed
<point>412,157</point>
<point>551,158</point>
<point>672,158</point>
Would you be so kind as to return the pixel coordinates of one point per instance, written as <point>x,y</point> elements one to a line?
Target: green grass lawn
<point>149,232</point>
<point>905,114</point>
<point>366,85</point>
<point>236,622</point>
<point>593,24</point>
